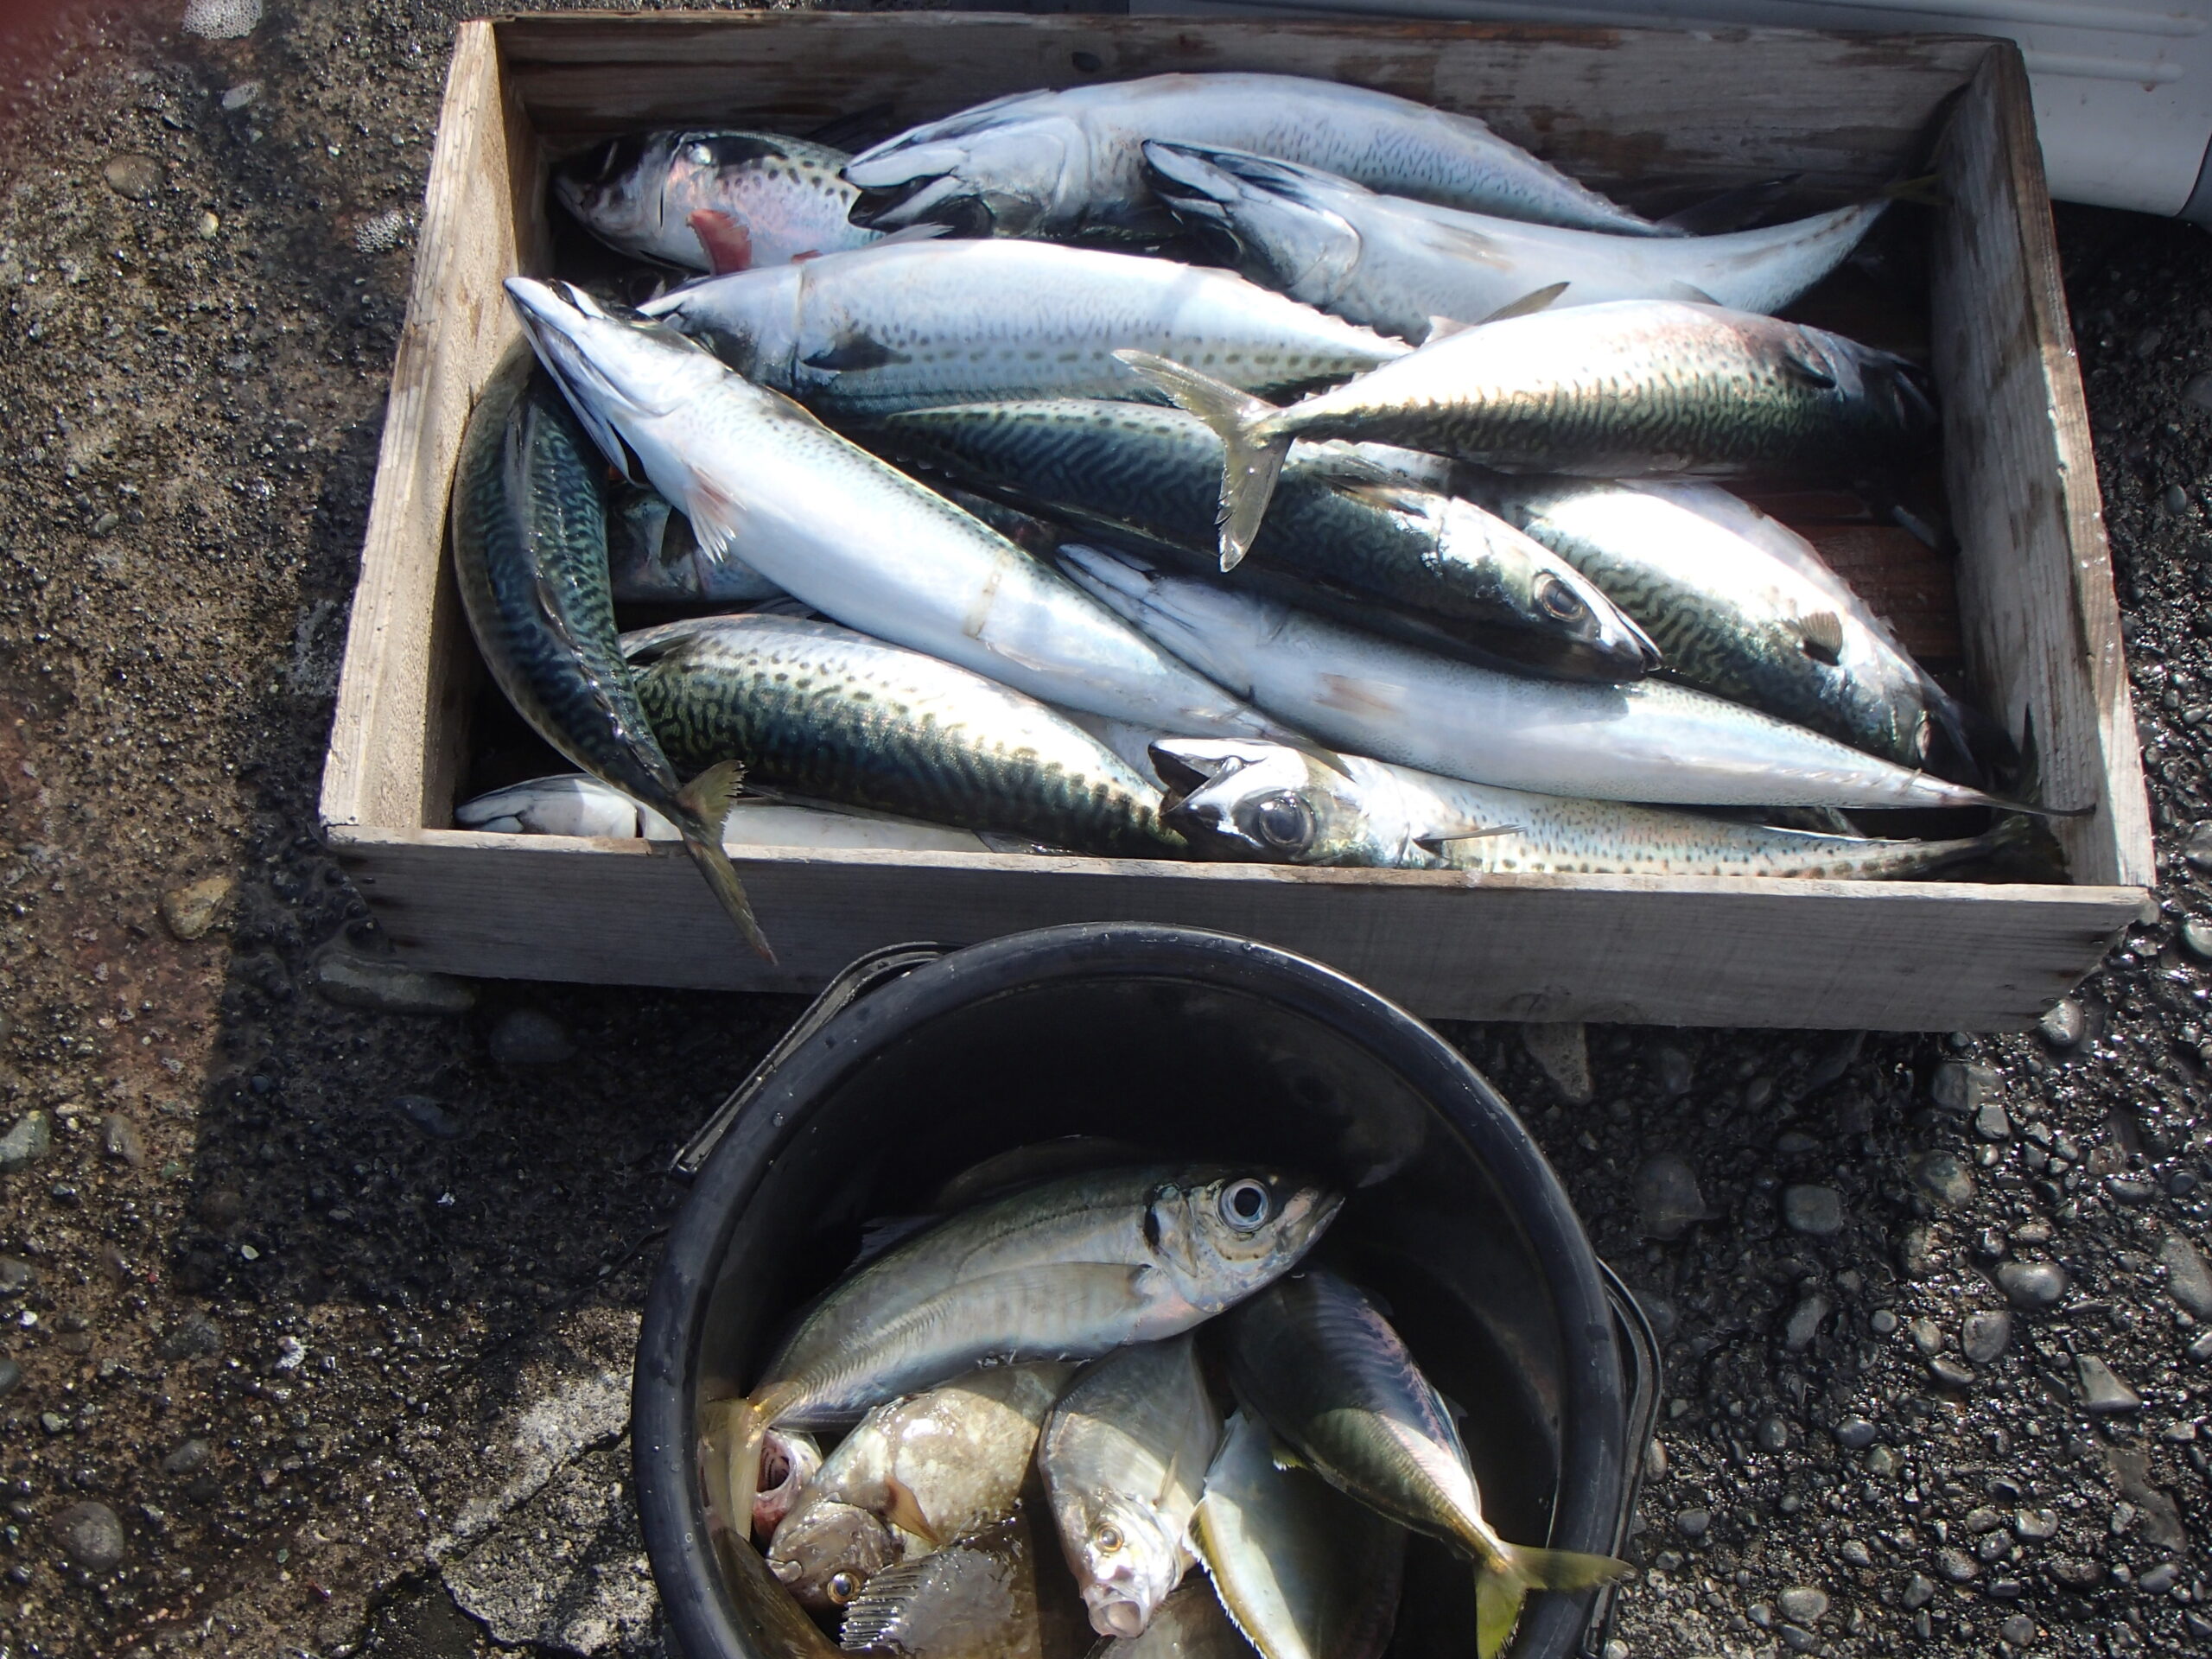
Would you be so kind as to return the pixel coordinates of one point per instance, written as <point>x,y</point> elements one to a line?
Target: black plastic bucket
<point>917,1064</point>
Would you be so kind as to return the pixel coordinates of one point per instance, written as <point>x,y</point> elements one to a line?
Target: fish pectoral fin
<point>1503,1582</point>
<point>1821,635</point>
<point>1527,305</point>
<point>728,245</point>
<point>854,352</point>
<point>903,1510</point>
<point>1806,370</point>
<point>1435,840</point>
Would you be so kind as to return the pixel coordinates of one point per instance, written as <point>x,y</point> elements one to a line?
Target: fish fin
<point>1255,456</point>
<point>1734,209</point>
<point>903,1510</point>
<point>1689,293</point>
<point>1284,1455</point>
<point>906,233</point>
<point>1434,842</point>
<point>887,1232</point>
<point>1501,1584</point>
<point>852,352</point>
<point>1926,190</point>
<point>1801,368</point>
<point>2022,849</point>
<point>1444,328</point>
<point>729,244</point>
<point>875,1618</point>
<point>705,801</point>
<point>1821,635</point>
<point>1527,305</point>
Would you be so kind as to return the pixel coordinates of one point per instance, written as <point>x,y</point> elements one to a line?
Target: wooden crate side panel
<point>1613,106</point>
<point>1882,956</point>
<point>2041,622</point>
<point>402,645</point>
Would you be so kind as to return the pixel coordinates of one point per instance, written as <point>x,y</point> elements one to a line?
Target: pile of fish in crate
<point>1226,466</point>
<point>1242,1406</point>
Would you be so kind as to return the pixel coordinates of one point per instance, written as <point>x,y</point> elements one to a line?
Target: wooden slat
<point>402,643</point>
<point>1615,106</point>
<point>1865,956</point>
<point>1908,583</point>
<point>2042,626</point>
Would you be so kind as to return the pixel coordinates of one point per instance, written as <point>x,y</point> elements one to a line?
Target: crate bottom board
<point>1846,956</point>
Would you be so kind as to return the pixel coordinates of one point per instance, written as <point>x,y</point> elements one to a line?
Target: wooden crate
<point>2038,628</point>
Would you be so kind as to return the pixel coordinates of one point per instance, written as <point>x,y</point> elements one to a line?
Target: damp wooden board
<point>2027,616</point>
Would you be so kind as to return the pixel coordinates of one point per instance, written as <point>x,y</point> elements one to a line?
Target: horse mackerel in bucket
<point>1068,1269</point>
<point>1324,1370</point>
<point>917,1473</point>
<point>1124,1457</point>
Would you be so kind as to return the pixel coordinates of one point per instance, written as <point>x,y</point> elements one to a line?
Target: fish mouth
<point>1113,1613</point>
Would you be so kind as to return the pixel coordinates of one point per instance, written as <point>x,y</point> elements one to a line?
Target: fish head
<point>1238,798</point>
<point>1557,621</point>
<point>1126,1559</point>
<point>1220,1233</point>
<point>789,1459</point>
<point>615,374</point>
<point>1012,175</point>
<point>825,1552</point>
<point>616,189</point>
<point>1273,220</point>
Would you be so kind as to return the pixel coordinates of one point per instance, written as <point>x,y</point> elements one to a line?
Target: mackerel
<point>822,712</point>
<point>1446,572</point>
<point>1259,802</point>
<point>1631,388</point>
<point>1397,265</point>
<point>849,535</point>
<point>713,198</point>
<point>1068,163</point>
<point>911,325</point>
<point>1648,741</point>
<point>530,558</point>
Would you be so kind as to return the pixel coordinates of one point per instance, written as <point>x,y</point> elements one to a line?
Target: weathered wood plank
<point>2042,624</point>
<point>1876,955</point>
<point>1615,106</point>
<point>1909,584</point>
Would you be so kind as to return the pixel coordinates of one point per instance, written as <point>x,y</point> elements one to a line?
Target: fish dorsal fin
<point>1820,634</point>
<point>727,244</point>
<point>1689,293</point>
<point>1444,328</point>
<point>903,1510</point>
<point>885,1233</point>
<point>1528,304</point>
<point>1733,209</point>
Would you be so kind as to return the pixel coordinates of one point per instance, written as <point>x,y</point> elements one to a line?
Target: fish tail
<point>705,803</point>
<point>1509,1572</point>
<point>1240,420</point>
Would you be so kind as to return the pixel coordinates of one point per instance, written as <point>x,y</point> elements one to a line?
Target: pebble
<point>11,1375</point>
<point>1919,1592</point>
<point>1951,1373</point>
<point>1984,1333</point>
<point>188,1458</point>
<point>2174,499</point>
<point>2128,1189</point>
<point>529,1037</point>
<point>90,1535</point>
<point>2196,936</point>
<point>2159,1581</point>
<point>1926,1336</point>
<point>376,982</point>
<point>2103,1394</point>
<point>2188,1282</point>
<point>1561,1050</point>
<point>1883,1461</point>
<point>2032,1284</point>
<point>1672,1068</point>
<point>1959,1086</point>
<point>2033,1526</point>
<point>2147,342</point>
<point>1856,1553</point>
<point>16,1276</point>
<point>194,1336</point>
<point>190,912</point>
<point>1667,1197</point>
<point>1991,1123</point>
<point>221,20</point>
<point>1692,1524</point>
<point>1882,1321</point>
<point>1854,1433</point>
<point>2073,1571</point>
<point>1956,1564</point>
<point>2063,1023</point>
<point>2201,1349</point>
<point>1943,1178</point>
<point>1772,1435</point>
<point>1805,1325</point>
<point>30,1140</point>
<point>1801,1603</point>
<point>138,177</point>
<point>2198,849</point>
<point>1816,1211</point>
<point>1982,1519</point>
<point>2018,1631</point>
<point>119,1140</point>
<point>1798,1639</point>
<point>238,97</point>
<point>428,1116</point>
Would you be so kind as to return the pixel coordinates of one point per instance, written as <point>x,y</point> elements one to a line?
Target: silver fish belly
<point>909,326</point>
<point>1069,162</point>
<point>1396,264</point>
<point>1645,742</point>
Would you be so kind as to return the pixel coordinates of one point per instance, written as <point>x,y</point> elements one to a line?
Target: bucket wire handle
<point>1646,1386</point>
<point>870,973</point>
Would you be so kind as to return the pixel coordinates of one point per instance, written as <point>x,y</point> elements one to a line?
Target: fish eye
<point>1108,1538</point>
<point>843,1587</point>
<point>1283,821</point>
<point>1244,1205</point>
<point>1559,601</point>
<point>700,156</point>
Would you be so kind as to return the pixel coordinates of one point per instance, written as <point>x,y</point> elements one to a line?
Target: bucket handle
<point>1645,1388</point>
<point>872,971</point>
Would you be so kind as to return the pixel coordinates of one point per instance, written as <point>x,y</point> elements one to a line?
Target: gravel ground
<point>317,1316</point>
